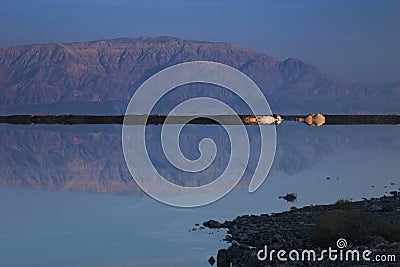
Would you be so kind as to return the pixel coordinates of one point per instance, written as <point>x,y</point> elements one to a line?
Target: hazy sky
<point>355,40</point>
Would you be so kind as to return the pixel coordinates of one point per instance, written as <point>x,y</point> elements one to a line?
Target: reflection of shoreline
<point>90,159</point>
<point>312,119</point>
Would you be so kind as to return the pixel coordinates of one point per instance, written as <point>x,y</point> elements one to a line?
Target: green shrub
<point>355,226</point>
<point>391,230</point>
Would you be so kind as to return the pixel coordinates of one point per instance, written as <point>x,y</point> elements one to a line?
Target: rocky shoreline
<point>371,224</point>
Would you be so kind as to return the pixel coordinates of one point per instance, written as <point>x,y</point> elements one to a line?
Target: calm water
<point>67,199</point>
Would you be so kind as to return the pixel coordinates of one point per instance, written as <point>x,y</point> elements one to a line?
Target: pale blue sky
<point>355,40</point>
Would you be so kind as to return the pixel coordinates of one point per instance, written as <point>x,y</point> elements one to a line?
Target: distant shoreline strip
<point>216,119</point>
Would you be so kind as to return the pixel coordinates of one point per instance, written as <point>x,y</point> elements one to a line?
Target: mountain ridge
<point>60,78</point>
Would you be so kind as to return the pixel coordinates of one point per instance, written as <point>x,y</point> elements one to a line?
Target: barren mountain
<point>99,77</point>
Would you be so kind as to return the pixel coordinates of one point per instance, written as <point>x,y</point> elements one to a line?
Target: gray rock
<point>242,237</point>
<point>277,238</point>
<point>228,238</point>
<point>383,246</point>
<point>213,224</point>
<point>211,260</point>
<point>223,258</point>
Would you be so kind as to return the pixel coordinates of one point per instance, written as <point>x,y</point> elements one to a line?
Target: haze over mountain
<point>99,77</point>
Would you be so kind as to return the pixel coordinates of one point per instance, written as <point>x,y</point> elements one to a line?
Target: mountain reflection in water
<point>89,158</point>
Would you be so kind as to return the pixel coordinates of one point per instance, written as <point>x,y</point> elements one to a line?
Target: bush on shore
<point>357,227</point>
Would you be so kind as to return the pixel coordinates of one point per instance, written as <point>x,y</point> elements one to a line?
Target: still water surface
<point>66,198</point>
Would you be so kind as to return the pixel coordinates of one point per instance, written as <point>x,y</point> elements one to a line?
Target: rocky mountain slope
<point>99,77</point>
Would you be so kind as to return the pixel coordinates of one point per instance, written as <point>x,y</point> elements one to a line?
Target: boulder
<point>223,259</point>
<point>315,119</point>
<point>213,224</point>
